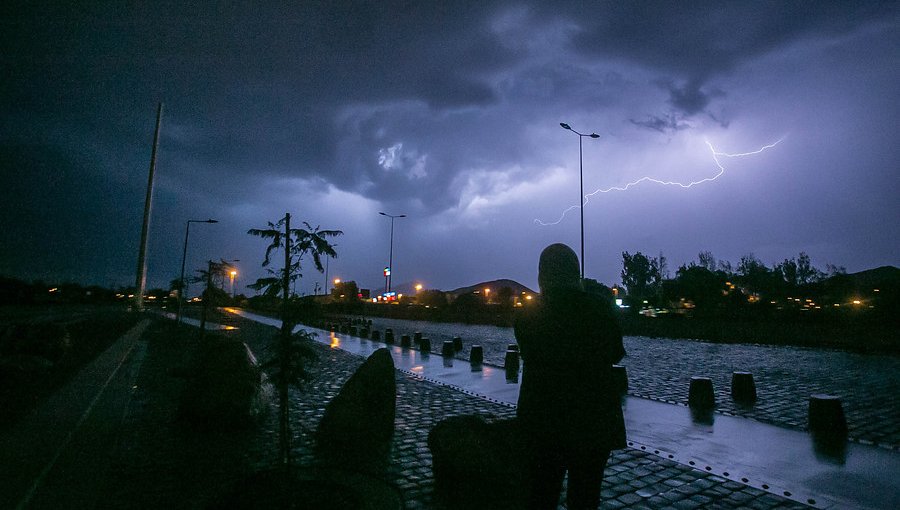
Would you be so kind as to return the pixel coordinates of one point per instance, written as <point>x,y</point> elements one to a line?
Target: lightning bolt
<point>715,156</point>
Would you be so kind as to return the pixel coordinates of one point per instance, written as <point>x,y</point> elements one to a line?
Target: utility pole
<point>141,278</point>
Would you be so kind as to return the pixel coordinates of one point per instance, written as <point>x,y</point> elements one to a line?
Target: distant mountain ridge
<point>494,285</point>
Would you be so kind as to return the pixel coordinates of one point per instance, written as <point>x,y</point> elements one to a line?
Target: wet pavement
<point>661,369</point>
<point>781,461</point>
<point>154,461</point>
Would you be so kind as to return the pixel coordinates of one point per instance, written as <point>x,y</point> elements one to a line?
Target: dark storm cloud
<point>416,107</point>
<point>692,42</point>
<point>664,124</point>
<point>57,215</point>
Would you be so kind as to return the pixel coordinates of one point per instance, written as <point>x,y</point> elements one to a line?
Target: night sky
<point>447,112</point>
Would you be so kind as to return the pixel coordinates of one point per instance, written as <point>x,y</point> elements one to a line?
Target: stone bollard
<point>826,416</point>
<point>417,337</point>
<point>620,379</point>
<point>425,345</point>
<point>743,389</point>
<point>476,355</point>
<point>364,333</point>
<point>353,331</point>
<point>457,344</point>
<point>405,342</point>
<point>512,347</point>
<point>389,336</point>
<point>512,361</point>
<point>701,394</point>
<point>447,350</point>
<point>376,336</point>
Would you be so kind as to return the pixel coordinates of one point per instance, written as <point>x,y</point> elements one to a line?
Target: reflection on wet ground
<point>782,461</point>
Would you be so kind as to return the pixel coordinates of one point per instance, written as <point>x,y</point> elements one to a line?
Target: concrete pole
<point>141,278</point>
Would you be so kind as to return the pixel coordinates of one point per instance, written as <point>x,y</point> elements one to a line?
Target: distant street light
<point>233,273</point>
<point>581,184</point>
<point>183,290</point>
<point>388,270</point>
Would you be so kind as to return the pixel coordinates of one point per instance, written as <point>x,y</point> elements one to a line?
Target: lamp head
<point>595,135</point>
<point>565,126</point>
<point>212,221</point>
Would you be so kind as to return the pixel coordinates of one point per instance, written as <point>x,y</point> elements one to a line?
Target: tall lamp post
<point>182,291</point>
<point>581,183</point>
<point>387,276</point>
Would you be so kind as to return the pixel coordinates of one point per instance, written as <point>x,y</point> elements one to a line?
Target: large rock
<point>478,464</point>
<point>358,425</point>
<point>225,388</point>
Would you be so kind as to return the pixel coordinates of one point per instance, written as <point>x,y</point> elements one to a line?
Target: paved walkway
<point>156,461</point>
<point>661,369</point>
<point>58,456</point>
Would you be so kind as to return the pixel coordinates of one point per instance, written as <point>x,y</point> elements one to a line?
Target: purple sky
<point>449,113</point>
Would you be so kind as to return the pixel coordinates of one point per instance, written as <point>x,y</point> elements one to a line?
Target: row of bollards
<point>362,328</point>
<point>825,413</point>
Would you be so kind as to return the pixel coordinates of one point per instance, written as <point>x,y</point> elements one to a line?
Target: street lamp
<point>581,183</point>
<point>233,273</point>
<point>387,272</point>
<point>182,291</point>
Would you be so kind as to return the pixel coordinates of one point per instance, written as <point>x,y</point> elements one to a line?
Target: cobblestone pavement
<point>161,463</point>
<point>661,369</point>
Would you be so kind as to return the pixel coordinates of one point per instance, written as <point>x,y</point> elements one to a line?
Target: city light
<point>337,281</point>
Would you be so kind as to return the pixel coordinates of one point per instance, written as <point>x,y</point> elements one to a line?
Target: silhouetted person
<point>569,408</point>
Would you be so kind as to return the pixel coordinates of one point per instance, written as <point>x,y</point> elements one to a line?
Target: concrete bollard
<point>376,336</point>
<point>389,336</point>
<point>826,416</point>
<point>743,389</point>
<point>512,361</point>
<point>405,342</point>
<point>476,355</point>
<point>425,345</point>
<point>417,337</point>
<point>447,350</point>
<point>701,394</point>
<point>353,331</point>
<point>457,344</point>
<point>620,379</point>
<point>364,333</point>
<point>512,347</point>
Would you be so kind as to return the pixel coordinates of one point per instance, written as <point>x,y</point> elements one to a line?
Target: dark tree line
<point>709,283</point>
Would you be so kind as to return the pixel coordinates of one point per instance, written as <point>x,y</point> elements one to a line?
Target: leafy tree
<point>707,261</point>
<point>346,291</point>
<point>432,298</point>
<point>833,270</point>
<point>699,284</point>
<point>756,277</point>
<point>289,363</point>
<point>640,276</point>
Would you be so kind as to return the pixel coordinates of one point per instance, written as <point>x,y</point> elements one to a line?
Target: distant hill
<point>884,276</point>
<point>494,285</point>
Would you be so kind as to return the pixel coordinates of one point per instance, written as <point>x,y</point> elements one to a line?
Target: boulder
<point>478,463</point>
<point>358,424</point>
